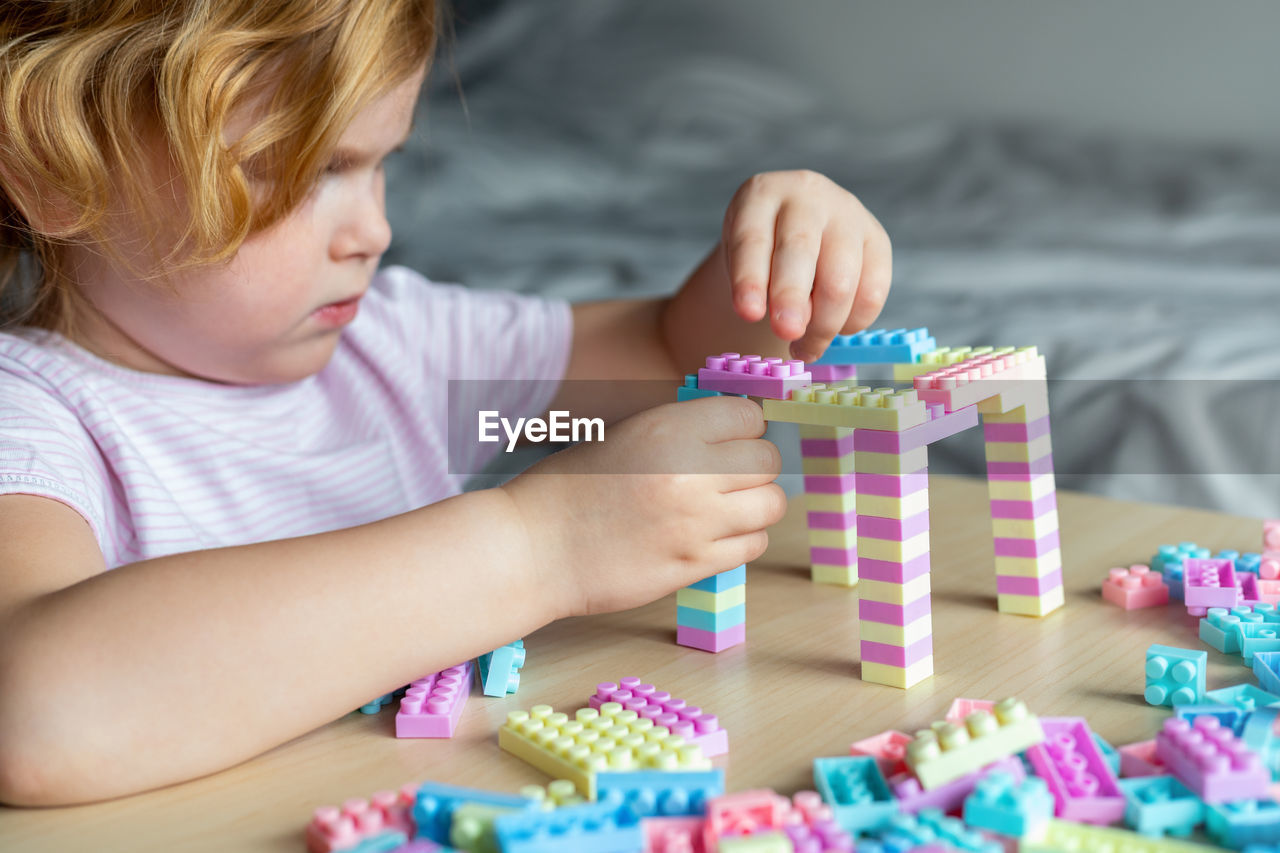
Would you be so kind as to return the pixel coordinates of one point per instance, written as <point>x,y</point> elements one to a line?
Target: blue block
<point>1229,716</point>
<point>705,620</point>
<point>685,392</point>
<point>660,793</point>
<point>1174,676</point>
<point>1258,733</point>
<point>929,826</point>
<point>722,581</point>
<point>1243,822</point>
<point>378,704</point>
<point>1258,637</point>
<point>590,828</point>
<point>1266,666</point>
<point>881,346</point>
<point>500,669</point>
<point>1250,562</point>
<point>1168,561</point>
<point>1109,753</point>
<point>1219,628</point>
<point>383,842</point>
<point>1247,697</point>
<point>998,804</point>
<point>857,792</point>
<point>1160,805</point>
<point>434,805</point>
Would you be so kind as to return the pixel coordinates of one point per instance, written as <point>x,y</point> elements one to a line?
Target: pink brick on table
<point>1135,587</point>
<point>898,656</point>
<point>961,708</point>
<point>710,641</point>
<point>1010,547</point>
<point>1018,585</point>
<point>939,426</point>
<point>950,796</point>
<point>676,715</point>
<point>673,834</point>
<point>1140,759</point>
<point>832,520</point>
<point>1020,470</point>
<point>1269,566</point>
<point>893,571</point>
<point>895,529</point>
<point>890,485</point>
<point>1016,432</point>
<point>1025,510</point>
<point>1068,760</point>
<point>887,748</point>
<point>339,828</point>
<point>1211,761</point>
<point>432,705</point>
<point>1208,583</point>
<point>973,380</point>
<point>743,812</point>
<point>894,614</point>
<point>1271,534</point>
<point>732,373</point>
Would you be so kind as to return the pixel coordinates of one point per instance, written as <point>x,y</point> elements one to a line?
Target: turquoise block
<point>705,620</point>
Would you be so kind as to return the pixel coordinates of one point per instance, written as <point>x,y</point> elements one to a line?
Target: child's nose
<point>364,231</point>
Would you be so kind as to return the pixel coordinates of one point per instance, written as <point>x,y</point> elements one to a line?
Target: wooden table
<point>787,696</point>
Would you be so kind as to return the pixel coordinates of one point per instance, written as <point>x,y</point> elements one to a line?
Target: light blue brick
<point>1160,805</point>
<point>857,792</point>
<point>722,581</point>
<point>705,620</point>
<point>881,346</point>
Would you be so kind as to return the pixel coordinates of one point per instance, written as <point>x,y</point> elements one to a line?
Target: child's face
<point>274,312</point>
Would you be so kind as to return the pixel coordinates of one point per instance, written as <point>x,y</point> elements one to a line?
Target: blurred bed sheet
<point>596,146</point>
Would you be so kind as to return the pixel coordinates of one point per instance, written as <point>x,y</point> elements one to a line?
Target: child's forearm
<point>176,667</point>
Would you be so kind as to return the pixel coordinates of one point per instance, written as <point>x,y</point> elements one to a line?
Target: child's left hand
<point>805,251</point>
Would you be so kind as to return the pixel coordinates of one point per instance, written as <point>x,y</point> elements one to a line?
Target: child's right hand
<point>671,496</point>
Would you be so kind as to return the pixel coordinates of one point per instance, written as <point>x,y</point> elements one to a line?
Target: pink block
<point>826,448</point>
<point>961,708</point>
<point>1043,465</point>
<point>894,572</point>
<point>709,641</point>
<point>832,372</point>
<point>889,749</point>
<point>1140,759</point>
<point>1135,587</point>
<point>940,426</point>
<point>1068,760</point>
<point>673,834</point>
<point>1026,510</point>
<point>893,528</point>
<point>833,520</point>
<point>896,655</point>
<point>732,373</point>
<point>834,556</point>
<point>1271,534</point>
<point>432,705</point>
<point>830,484</point>
<point>1016,432</point>
<point>951,796</point>
<point>333,828</point>
<point>1209,583</point>
<point>1014,585</point>
<point>976,379</point>
<point>1211,761</point>
<point>676,715</point>
<point>892,485</point>
<point>1027,547</point>
<point>1269,566</point>
<point>893,614</point>
<point>739,812</point>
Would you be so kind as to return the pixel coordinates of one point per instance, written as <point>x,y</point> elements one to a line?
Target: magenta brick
<point>1083,786</point>
<point>1043,465</point>
<point>710,641</point>
<point>832,372</point>
<point>830,484</point>
<point>833,556</point>
<point>893,528</point>
<point>894,614</point>
<point>896,655</point>
<point>891,571</point>
<point>1209,583</point>
<point>826,448</point>
<point>939,427</point>
<point>732,373</point>
<point>432,704</point>
<point>1016,432</point>
<point>1027,547</point>
<point>1211,761</point>
<point>1010,585</point>
<point>833,520</point>
<point>1025,509</point>
<point>892,485</point>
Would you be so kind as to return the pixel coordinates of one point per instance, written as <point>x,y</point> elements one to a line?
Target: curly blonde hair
<point>83,83</point>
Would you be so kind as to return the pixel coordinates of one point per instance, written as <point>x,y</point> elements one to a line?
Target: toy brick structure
<point>865,465</point>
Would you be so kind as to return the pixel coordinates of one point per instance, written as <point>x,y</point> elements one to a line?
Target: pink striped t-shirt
<point>161,464</point>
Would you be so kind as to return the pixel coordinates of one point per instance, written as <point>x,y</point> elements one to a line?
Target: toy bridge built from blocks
<point>866,484</point>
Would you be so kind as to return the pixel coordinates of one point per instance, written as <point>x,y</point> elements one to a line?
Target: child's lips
<point>337,314</point>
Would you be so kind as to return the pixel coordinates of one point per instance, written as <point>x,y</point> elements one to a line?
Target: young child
<point>227,515</point>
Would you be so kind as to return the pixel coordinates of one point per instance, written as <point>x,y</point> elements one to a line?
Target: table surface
<point>790,694</point>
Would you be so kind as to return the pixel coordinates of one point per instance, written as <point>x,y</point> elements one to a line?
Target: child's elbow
<point>31,773</point>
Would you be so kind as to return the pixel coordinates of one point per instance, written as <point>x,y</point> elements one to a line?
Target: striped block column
<point>830,501</point>
<point>895,625</point>
<point>711,614</point>
<point>1024,509</point>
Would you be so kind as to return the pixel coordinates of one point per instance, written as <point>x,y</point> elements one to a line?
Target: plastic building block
<point>555,795</point>
<point>1220,628</point>
<point>961,708</point>
<point>472,829</point>
<point>1208,583</point>
<point>589,828</point>
<point>1135,587</point>
<point>1169,559</point>
<point>1002,805</point>
<point>1266,666</point>
<point>690,390</point>
<point>343,828</point>
<point>1247,697</point>
<point>1140,759</point>
<point>434,805</point>
<point>1174,676</point>
<point>1228,715</point>
<point>879,346</point>
<point>977,380</point>
<point>1058,836</point>
<point>812,828</point>
<point>432,705</point>
<point>1258,637</point>
<point>1246,821</point>
<point>709,621</point>
<point>378,704</point>
<point>743,812</point>
<point>1271,535</point>
<point>1083,786</point>
<point>752,375</point>
<point>673,835</point>
<point>948,751</point>
<point>852,406</point>
<point>1211,761</point>
<point>386,842</point>
<point>1259,733</point>
<point>911,832</point>
<point>711,641</point>
<point>655,793</point>
<point>722,581</point>
<point>420,845</point>
<point>888,748</point>
<point>856,791</point>
<point>758,842</point>
<point>1109,754</point>
<point>950,796</point>
<point>1160,805</point>
<point>679,717</point>
<point>606,739</point>
<point>500,669</point>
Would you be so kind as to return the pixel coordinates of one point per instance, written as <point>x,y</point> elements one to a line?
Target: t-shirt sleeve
<point>44,449</point>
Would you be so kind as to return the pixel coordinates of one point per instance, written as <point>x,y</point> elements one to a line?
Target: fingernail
<point>752,302</point>
<point>788,317</point>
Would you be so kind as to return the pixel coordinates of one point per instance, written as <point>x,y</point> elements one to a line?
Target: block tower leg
<point>895,624</point>
<point>711,614</point>
<point>829,495</point>
<point>1024,509</point>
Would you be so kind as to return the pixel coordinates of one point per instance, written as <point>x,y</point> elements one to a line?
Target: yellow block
<point>835,575</point>
<point>898,552</point>
<point>870,462</point>
<point>1018,490</point>
<point>886,507</point>
<point>939,358</point>
<point>1019,451</point>
<point>815,431</point>
<point>1030,567</point>
<point>817,502</point>
<point>833,538</point>
<point>1031,409</point>
<point>844,404</point>
<point>827,464</point>
<point>896,635</point>
<point>712,602</point>
<point>896,676</point>
<point>1030,605</point>
<point>894,593</point>
<point>1024,528</point>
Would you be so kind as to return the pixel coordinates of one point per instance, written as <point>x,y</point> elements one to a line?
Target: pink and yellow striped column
<point>829,494</point>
